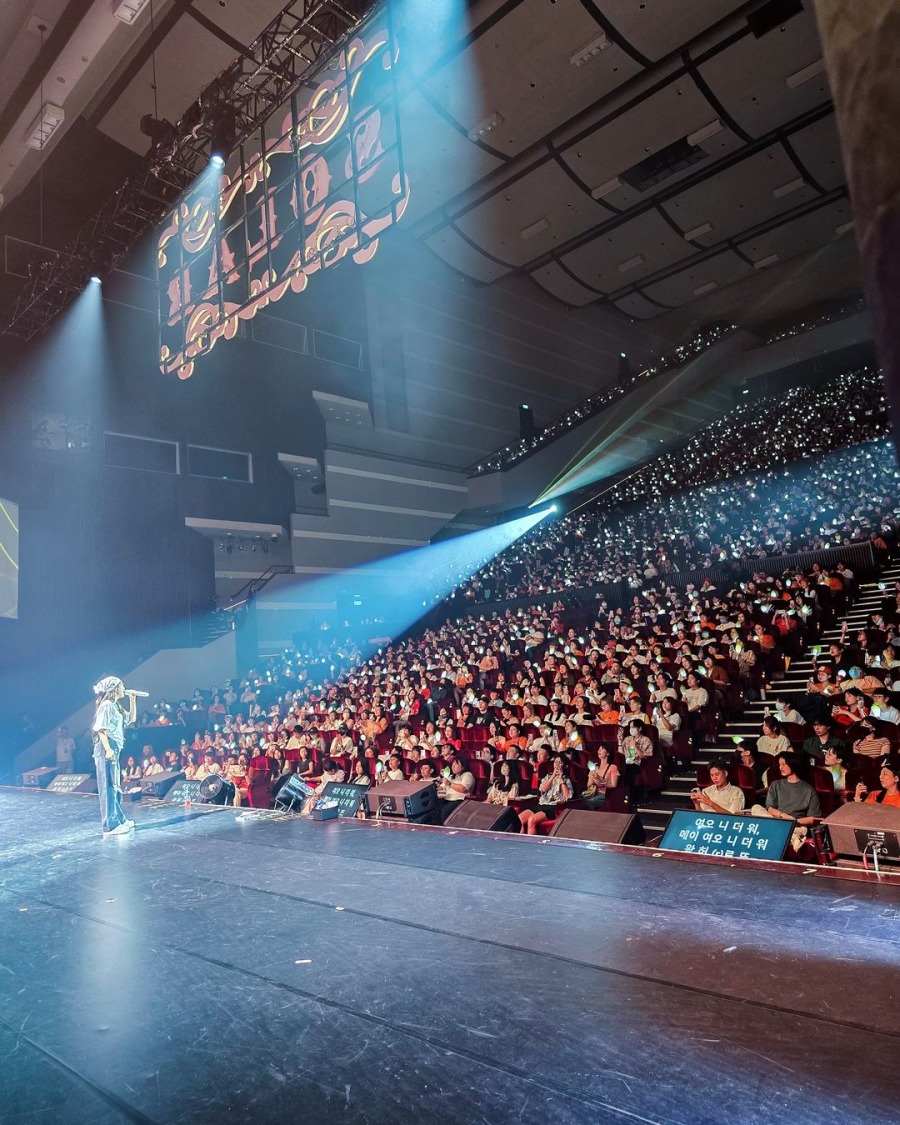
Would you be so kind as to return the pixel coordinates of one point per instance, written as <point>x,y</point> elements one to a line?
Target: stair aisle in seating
<point>655,816</point>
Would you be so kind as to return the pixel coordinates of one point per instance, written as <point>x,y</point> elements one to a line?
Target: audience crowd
<point>835,310</point>
<point>517,451</point>
<point>596,702</point>
<point>769,432</point>
<point>532,707</point>
<point>844,498</point>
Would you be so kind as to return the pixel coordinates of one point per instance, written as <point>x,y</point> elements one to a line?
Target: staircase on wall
<point>655,816</point>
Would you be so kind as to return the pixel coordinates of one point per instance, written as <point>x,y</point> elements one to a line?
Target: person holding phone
<point>721,796</point>
<point>553,791</point>
<point>456,784</point>
<point>603,775</point>
<point>889,794</point>
<point>506,787</point>
<point>393,770</point>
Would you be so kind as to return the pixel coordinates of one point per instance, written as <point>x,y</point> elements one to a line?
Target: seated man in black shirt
<point>820,740</point>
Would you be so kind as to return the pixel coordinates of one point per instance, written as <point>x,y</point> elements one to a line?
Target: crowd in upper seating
<point>703,339</point>
<point>827,314</point>
<point>840,499</point>
<point>769,432</point>
<point>517,451</point>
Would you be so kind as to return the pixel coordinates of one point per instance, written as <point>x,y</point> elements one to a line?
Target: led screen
<point>319,182</point>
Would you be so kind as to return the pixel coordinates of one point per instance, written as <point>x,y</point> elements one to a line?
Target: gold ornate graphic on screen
<point>320,181</point>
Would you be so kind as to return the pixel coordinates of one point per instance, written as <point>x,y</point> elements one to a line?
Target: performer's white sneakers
<point>121,830</point>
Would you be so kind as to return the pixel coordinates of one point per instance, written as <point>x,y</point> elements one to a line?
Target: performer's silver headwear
<point>107,684</point>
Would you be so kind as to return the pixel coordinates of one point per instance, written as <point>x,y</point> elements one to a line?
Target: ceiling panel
<point>636,305</point>
<point>554,279</point>
<point>656,27</point>
<point>656,121</point>
<point>19,44</point>
<point>721,270</point>
<point>237,18</point>
<point>749,78</point>
<point>456,252</point>
<point>440,162</point>
<point>801,234</point>
<point>648,236</point>
<point>741,196</point>
<point>546,193</point>
<point>818,148</point>
<point>516,62</point>
<point>520,68</point>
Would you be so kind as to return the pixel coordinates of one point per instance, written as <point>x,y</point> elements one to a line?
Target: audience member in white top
<point>721,796</point>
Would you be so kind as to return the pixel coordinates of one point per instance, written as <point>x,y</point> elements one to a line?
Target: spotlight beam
<point>279,61</point>
<point>393,593</point>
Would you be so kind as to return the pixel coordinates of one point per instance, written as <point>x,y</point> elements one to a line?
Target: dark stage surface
<point>211,969</point>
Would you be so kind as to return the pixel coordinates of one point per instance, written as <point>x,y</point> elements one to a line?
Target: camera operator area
<point>449,562</point>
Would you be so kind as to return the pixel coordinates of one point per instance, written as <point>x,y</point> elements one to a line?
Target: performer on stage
<point>109,738</point>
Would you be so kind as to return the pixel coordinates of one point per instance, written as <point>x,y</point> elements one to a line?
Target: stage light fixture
<point>95,280</point>
<point>223,134</point>
<point>158,129</point>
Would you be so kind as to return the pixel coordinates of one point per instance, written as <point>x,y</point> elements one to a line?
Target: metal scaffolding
<point>236,102</point>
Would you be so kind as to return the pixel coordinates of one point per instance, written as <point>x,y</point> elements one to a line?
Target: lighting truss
<point>276,64</point>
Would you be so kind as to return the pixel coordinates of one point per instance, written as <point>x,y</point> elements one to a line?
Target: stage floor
<point>209,969</point>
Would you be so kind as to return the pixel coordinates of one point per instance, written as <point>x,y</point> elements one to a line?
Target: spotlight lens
<point>95,280</point>
<point>218,160</point>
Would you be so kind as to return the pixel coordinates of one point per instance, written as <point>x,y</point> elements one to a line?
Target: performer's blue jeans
<point>109,789</point>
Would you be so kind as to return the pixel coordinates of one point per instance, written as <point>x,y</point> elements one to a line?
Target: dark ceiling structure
<point>225,112</point>
<point>650,155</point>
<point>667,160</point>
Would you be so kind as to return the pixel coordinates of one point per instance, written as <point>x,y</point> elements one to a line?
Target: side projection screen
<point>9,559</point>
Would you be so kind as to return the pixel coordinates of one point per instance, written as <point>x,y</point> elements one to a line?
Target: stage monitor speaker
<point>215,790</point>
<point>159,784</point>
<point>184,790</point>
<point>858,827</point>
<point>73,783</point>
<point>409,799</point>
<point>598,826</point>
<point>488,818</point>
<point>294,792</point>
<point>39,778</point>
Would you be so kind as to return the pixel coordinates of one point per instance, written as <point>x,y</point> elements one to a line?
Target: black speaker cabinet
<point>73,783</point>
<point>293,793</point>
<point>39,778</point>
<point>184,790</point>
<point>488,818</point>
<point>598,826</point>
<point>409,799</point>
<point>159,784</point>
<point>857,827</point>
